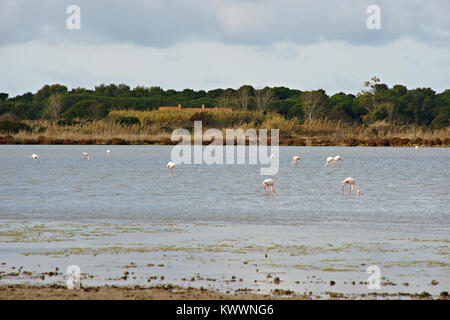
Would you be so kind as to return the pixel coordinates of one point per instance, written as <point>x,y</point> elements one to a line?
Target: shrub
<point>10,117</point>
<point>64,123</point>
<point>13,127</point>
<point>440,121</point>
<point>206,118</point>
<point>129,121</point>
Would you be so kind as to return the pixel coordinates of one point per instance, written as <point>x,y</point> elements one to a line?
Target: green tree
<point>54,107</point>
<point>367,96</point>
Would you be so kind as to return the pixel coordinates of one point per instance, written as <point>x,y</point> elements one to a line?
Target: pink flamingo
<point>329,163</point>
<point>171,165</point>
<point>294,160</point>
<point>34,156</point>
<point>269,183</point>
<point>338,160</point>
<point>85,155</point>
<point>351,186</point>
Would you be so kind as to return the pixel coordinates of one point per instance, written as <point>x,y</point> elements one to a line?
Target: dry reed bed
<point>156,128</point>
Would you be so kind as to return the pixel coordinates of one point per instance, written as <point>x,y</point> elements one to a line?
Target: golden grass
<point>157,126</point>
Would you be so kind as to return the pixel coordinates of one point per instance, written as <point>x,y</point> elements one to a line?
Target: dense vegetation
<point>13,127</point>
<point>378,102</point>
<point>116,114</point>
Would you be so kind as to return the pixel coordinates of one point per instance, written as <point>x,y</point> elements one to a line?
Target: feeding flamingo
<point>330,161</point>
<point>85,155</point>
<point>269,183</point>
<point>294,160</point>
<point>34,156</point>
<point>171,165</point>
<point>338,160</point>
<point>351,186</point>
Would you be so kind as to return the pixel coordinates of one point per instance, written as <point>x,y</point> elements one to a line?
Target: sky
<point>208,44</point>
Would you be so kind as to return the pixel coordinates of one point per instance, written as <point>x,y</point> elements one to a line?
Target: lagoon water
<point>213,222</point>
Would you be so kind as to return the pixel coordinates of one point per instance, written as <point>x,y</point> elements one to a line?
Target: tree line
<point>376,102</point>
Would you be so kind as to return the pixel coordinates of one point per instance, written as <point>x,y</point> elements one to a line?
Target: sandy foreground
<point>166,292</point>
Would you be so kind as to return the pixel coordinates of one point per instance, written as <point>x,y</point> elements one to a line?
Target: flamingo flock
<point>333,160</point>
<point>268,183</point>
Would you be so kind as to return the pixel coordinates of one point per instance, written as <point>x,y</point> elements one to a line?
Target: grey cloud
<point>161,23</point>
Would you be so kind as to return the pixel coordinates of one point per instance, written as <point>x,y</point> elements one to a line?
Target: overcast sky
<point>206,44</point>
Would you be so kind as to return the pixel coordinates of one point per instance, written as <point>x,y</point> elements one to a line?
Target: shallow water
<point>214,220</point>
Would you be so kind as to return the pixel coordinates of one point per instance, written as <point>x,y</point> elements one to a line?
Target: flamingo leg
<point>171,171</point>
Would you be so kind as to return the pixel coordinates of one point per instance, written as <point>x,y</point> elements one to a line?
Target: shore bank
<point>170,292</point>
<point>160,292</point>
<point>343,142</point>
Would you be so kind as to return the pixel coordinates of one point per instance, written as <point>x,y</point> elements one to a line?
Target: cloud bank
<point>210,43</point>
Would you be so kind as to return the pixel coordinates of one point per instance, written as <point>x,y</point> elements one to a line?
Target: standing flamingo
<point>294,160</point>
<point>85,155</point>
<point>171,165</point>
<point>330,161</point>
<point>108,152</point>
<point>34,156</point>
<point>351,186</point>
<point>338,160</point>
<point>269,183</point>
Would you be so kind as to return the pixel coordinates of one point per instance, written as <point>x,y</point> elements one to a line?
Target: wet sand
<point>164,292</point>
<point>221,262</point>
<point>169,292</point>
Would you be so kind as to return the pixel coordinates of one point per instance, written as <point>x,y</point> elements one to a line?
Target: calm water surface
<point>400,221</point>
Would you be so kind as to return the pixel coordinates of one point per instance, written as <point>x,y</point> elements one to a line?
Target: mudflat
<point>170,292</point>
<point>165,292</point>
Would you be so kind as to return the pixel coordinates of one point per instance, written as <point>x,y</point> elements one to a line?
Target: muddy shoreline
<point>170,292</point>
<point>350,142</point>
